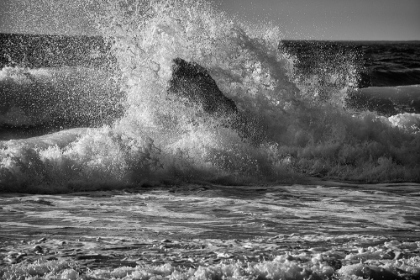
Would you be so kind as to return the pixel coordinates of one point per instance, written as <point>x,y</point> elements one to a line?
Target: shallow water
<point>207,225</point>
<point>222,211</point>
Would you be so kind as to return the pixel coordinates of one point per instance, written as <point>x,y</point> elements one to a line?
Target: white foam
<point>408,121</point>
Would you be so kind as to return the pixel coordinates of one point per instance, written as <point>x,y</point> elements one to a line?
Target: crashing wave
<point>160,139</point>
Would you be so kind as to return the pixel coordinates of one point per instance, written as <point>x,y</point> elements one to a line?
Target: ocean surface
<point>388,72</point>
<point>100,114</point>
<point>105,174</point>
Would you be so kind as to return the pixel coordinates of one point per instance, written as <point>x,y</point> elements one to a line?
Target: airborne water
<point>303,124</point>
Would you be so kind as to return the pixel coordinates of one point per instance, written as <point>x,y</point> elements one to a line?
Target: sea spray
<point>333,73</point>
<point>159,139</point>
<point>314,135</point>
<point>61,96</point>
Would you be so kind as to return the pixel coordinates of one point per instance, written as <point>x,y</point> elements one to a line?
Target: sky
<point>298,19</point>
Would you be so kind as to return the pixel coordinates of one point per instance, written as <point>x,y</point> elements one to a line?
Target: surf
<point>152,138</point>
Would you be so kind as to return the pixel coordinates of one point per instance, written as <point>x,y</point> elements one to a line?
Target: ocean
<point>314,176</point>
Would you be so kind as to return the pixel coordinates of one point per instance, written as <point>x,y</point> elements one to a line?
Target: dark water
<point>35,51</point>
<point>387,72</point>
<point>381,63</point>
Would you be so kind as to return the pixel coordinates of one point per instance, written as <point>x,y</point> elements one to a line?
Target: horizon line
<point>284,39</point>
<point>356,40</point>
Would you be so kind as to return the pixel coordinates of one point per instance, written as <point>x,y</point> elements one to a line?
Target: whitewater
<point>109,146</point>
<point>150,137</point>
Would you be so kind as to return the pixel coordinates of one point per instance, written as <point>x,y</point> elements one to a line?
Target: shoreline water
<point>322,230</point>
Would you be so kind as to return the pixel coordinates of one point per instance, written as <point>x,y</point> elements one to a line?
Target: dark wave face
<point>392,63</point>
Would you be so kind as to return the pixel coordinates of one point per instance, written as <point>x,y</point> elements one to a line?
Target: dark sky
<point>298,19</point>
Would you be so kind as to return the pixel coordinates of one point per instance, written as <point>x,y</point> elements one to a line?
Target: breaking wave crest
<point>292,133</point>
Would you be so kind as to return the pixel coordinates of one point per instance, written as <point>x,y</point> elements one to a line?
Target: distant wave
<point>387,101</point>
<point>377,63</point>
<point>398,77</point>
